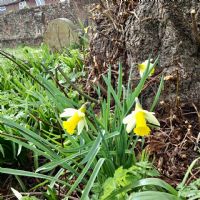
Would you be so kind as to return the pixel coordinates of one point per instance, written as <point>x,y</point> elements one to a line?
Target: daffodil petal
<point>81,114</point>
<point>130,125</point>
<point>151,118</point>
<point>128,118</point>
<point>142,67</point>
<point>141,73</point>
<point>68,112</point>
<point>81,125</point>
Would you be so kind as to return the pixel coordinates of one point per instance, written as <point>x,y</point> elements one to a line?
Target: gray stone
<point>61,33</point>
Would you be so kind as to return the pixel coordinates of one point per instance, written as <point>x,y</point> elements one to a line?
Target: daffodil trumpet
<point>137,120</point>
<point>76,119</point>
<point>143,66</point>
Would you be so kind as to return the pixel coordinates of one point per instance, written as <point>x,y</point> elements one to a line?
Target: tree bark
<point>166,29</point>
<point>129,31</point>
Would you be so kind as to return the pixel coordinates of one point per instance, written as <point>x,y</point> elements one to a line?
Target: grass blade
<point>49,166</point>
<point>29,174</point>
<point>181,185</point>
<point>157,94</point>
<point>119,88</point>
<point>95,146</point>
<point>59,173</point>
<point>2,150</point>
<point>111,90</point>
<point>92,179</point>
<point>84,171</point>
<point>32,137</point>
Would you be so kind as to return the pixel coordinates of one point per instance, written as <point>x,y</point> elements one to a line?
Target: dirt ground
<point>176,144</point>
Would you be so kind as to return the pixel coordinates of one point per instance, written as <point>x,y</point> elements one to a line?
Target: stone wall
<point>27,26</point>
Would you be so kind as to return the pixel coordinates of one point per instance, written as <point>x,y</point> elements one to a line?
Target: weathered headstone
<point>60,33</point>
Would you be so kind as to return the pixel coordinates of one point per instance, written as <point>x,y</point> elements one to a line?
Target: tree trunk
<point>129,31</point>
<point>166,29</point>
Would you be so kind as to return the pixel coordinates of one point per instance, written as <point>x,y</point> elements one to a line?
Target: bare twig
<point>197,112</point>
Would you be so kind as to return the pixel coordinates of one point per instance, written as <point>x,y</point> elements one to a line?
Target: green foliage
<point>104,148</point>
<point>73,60</point>
<point>26,101</point>
<point>149,195</point>
<point>29,198</point>
<point>39,99</point>
<point>51,194</point>
<point>124,177</point>
<point>192,190</point>
<point>34,92</point>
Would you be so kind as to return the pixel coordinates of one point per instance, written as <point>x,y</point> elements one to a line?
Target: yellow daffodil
<point>76,119</point>
<point>137,120</point>
<point>86,29</point>
<point>142,67</point>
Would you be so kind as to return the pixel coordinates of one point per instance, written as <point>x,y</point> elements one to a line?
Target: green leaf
<point>2,151</point>
<point>120,84</point>
<point>26,145</point>
<point>29,174</point>
<point>21,183</point>
<point>181,185</point>
<point>157,94</point>
<point>84,171</point>
<point>56,95</point>
<point>58,174</point>
<point>51,165</point>
<point>95,146</point>
<point>92,179</point>
<point>109,186</point>
<point>32,137</point>
<point>39,142</point>
<point>112,91</point>
<point>145,182</point>
<point>152,195</point>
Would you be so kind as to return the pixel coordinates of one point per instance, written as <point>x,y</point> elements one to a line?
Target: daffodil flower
<point>142,67</point>
<point>86,29</point>
<point>76,119</point>
<point>137,120</point>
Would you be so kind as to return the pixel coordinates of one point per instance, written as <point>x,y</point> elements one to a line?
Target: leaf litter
<point>176,144</point>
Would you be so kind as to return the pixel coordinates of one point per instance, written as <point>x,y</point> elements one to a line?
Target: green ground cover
<point>42,157</point>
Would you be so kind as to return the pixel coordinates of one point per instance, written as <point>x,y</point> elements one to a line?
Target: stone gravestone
<point>60,33</point>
